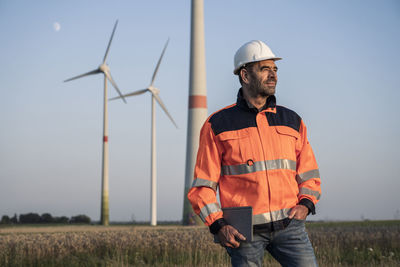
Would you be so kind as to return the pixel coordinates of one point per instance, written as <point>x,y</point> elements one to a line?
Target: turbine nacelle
<point>153,90</point>
<point>104,68</point>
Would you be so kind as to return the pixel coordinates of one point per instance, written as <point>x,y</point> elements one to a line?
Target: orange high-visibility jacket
<point>259,159</point>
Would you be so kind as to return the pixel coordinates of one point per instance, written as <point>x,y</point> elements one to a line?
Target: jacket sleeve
<point>307,176</point>
<point>202,194</point>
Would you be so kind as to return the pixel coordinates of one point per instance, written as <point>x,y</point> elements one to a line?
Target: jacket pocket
<point>287,139</point>
<point>237,148</point>
<point>285,130</point>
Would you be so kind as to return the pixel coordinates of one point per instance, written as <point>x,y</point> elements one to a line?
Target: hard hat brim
<point>236,71</point>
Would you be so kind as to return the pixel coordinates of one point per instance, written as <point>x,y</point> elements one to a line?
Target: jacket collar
<point>244,104</point>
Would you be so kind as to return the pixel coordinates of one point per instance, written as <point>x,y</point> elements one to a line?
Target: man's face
<point>262,78</point>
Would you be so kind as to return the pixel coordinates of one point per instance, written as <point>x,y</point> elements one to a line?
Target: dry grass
<point>77,228</point>
<point>354,244</point>
<point>107,246</point>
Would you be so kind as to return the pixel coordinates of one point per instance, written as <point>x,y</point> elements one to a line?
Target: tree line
<point>35,218</point>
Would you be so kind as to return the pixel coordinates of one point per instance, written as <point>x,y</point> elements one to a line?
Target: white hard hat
<point>252,51</point>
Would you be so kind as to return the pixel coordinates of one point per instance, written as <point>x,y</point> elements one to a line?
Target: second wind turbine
<point>103,68</point>
<point>154,97</point>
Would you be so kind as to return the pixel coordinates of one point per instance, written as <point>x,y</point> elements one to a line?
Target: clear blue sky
<point>340,72</point>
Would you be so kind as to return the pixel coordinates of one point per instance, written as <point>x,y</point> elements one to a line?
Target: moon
<point>56,26</point>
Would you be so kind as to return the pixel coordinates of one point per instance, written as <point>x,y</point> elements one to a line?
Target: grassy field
<point>375,243</point>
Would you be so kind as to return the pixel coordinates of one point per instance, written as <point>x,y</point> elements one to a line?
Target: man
<point>258,155</point>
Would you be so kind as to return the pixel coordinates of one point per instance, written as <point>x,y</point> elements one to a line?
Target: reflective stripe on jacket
<point>259,159</point>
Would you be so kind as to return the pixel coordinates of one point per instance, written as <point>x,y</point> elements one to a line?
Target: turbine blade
<point>131,94</point>
<point>164,108</point>
<point>114,98</point>
<point>138,92</point>
<point>108,75</point>
<point>83,75</point>
<point>109,43</point>
<point>158,63</point>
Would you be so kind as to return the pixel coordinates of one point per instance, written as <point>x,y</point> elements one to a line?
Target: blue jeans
<point>290,247</point>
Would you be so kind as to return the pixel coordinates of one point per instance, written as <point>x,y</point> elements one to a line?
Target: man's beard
<point>258,88</point>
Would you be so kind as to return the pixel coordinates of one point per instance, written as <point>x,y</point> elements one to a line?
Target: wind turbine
<point>103,68</point>
<point>154,97</point>
<point>197,112</point>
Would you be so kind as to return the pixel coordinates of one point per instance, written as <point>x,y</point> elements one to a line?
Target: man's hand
<point>227,237</point>
<point>299,212</point>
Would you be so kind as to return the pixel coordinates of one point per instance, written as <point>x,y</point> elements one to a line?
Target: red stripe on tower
<point>197,101</point>
<point>105,139</point>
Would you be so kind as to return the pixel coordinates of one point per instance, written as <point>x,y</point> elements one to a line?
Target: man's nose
<point>271,74</point>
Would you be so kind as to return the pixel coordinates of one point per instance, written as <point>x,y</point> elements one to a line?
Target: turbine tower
<point>154,97</point>
<point>103,68</point>
<point>197,103</point>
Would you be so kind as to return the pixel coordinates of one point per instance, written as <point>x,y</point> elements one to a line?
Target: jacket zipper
<point>264,157</point>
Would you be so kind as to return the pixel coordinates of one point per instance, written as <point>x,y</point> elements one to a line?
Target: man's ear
<point>244,74</point>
